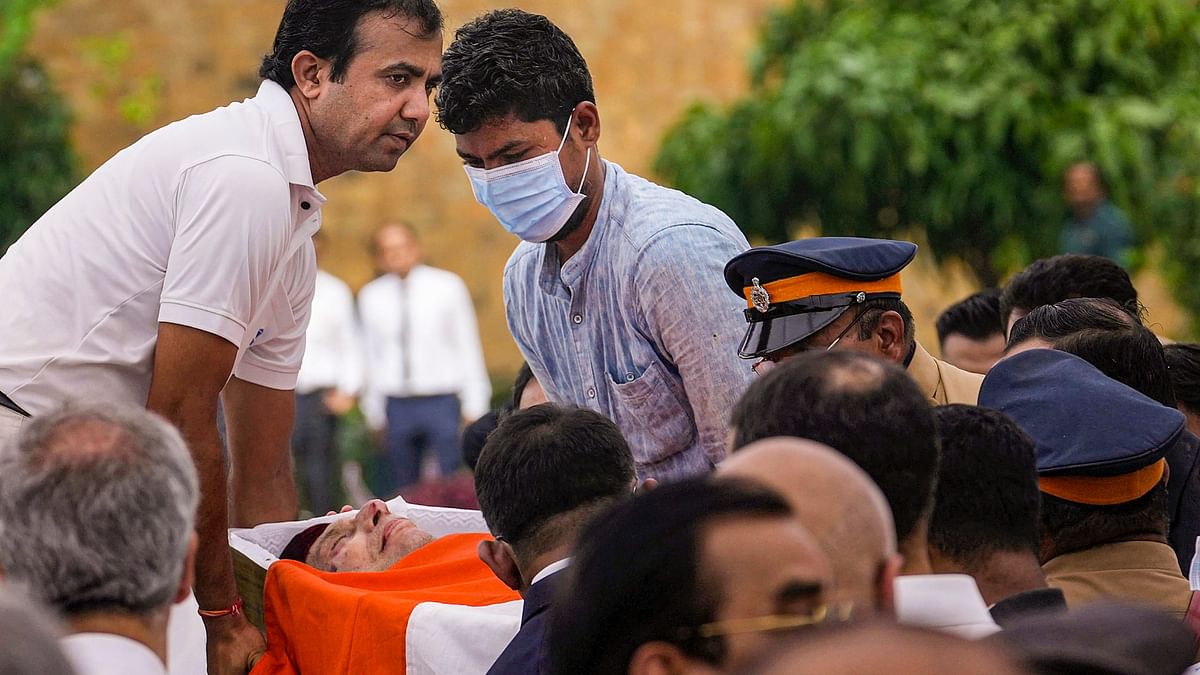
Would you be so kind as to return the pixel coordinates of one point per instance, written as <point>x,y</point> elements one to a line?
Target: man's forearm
<point>215,586</point>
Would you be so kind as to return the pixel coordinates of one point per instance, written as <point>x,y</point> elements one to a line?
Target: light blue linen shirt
<point>639,324</point>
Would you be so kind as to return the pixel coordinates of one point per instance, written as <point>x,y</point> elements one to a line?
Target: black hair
<point>1071,526</point>
<point>1183,367</point>
<point>329,29</point>
<point>524,377</point>
<point>873,310</point>
<point>476,434</point>
<point>1071,275</point>
<point>546,469</point>
<point>1102,333</point>
<point>987,489</point>
<point>867,409</point>
<point>636,576</point>
<point>976,316</point>
<point>510,62</point>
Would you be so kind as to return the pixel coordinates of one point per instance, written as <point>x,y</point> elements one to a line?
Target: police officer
<point>838,293</point>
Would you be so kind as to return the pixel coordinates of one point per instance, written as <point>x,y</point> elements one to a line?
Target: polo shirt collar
<point>279,106</point>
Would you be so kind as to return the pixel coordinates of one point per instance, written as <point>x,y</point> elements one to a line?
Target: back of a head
<point>987,491</point>
<point>28,640</point>
<point>102,498</point>
<point>545,470</point>
<point>1071,275</point>
<point>977,316</point>
<point>1183,367</point>
<point>636,576</point>
<point>1102,333</point>
<point>835,500</point>
<point>511,62</point>
<point>328,28</point>
<point>868,410</point>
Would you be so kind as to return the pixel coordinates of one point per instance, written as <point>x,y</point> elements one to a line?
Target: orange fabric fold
<point>1104,490</point>
<point>819,283</point>
<point>356,622</point>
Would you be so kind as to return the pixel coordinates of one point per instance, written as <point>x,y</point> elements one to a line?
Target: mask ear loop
<point>587,162</point>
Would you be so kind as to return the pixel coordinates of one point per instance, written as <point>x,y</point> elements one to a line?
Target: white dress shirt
<point>107,654</point>
<point>333,351</point>
<point>949,603</point>
<point>422,340</point>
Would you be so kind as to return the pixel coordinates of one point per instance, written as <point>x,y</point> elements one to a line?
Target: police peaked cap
<point>794,290</point>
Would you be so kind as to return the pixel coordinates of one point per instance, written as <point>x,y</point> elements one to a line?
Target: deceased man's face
<point>371,541</point>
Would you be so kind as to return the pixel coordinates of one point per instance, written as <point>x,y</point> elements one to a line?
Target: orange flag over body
<point>356,622</point>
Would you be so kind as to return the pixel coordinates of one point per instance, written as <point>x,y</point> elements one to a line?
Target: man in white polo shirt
<point>183,268</point>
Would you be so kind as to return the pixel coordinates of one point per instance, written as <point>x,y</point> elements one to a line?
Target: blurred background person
<point>427,373</point>
<point>1183,367</point>
<point>1095,226</point>
<point>329,381</point>
<point>971,333</point>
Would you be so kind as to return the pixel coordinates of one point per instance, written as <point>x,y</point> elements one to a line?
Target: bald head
<point>837,501</point>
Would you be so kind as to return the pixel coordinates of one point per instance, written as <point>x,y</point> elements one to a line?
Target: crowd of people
<point>719,458</point>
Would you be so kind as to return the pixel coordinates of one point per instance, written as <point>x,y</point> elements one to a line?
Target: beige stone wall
<point>129,67</point>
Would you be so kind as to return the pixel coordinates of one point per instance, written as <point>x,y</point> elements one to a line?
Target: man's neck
<point>572,243</point>
<point>320,167</point>
<point>541,562</point>
<point>1050,550</point>
<point>915,550</point>
<point>1008,573</point>
<point>150,631</point>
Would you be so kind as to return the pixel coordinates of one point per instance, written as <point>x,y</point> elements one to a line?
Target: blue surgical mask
<point>531,199</point>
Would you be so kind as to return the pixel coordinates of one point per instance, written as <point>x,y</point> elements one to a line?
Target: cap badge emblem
<point>759,296</point>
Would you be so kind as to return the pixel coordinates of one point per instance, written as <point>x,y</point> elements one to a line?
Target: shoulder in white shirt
<point>108,654</point>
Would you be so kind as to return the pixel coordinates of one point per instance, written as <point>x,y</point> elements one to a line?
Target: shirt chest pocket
<point>652,412</point>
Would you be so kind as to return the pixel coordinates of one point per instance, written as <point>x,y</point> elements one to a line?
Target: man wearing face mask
<point>615,296</point>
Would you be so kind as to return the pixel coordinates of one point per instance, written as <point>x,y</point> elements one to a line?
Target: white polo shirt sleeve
<point>232,227</point>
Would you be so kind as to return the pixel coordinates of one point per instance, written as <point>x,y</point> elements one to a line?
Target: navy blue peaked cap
<point>795,290</point>
<point>855,258</point>
<point>1082,422</point>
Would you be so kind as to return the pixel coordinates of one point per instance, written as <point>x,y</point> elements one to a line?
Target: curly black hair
<point>510,62</point>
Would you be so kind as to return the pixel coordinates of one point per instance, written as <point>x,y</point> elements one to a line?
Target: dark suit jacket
<point>526,654</point>
<point>1183,490</point>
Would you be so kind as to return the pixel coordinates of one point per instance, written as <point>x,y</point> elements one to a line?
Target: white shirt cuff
<point>201,318</point>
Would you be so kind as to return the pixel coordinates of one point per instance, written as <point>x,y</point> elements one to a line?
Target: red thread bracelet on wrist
<point>237,607</point>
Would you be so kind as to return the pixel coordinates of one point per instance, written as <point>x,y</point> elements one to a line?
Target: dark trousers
<point>314,450</point>
<point>416,425</point>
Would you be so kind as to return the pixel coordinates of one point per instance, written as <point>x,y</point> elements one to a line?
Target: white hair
<point>97,507</point>
<point>28,639</point>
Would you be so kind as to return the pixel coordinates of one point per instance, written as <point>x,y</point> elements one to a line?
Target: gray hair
<point>97,508</point>
<point>28,639</point>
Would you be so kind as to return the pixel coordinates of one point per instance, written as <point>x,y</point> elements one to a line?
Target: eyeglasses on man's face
<point>770,623</point>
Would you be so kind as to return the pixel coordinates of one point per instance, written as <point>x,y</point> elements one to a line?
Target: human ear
<point>889,569</point>
<point>658,658</point>
<point>587,121</point>
<point>499,558</point>
<point>189,570</point>
<point>310,73</point>
<point>890,336</point>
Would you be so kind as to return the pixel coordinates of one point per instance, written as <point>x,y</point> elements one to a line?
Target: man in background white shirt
<point>426,373</point>
<point>329,381</point>
<point>97,512</point>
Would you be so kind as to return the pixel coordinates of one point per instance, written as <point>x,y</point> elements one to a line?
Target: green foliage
<point>875,117</point>
<point>37,166</point>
